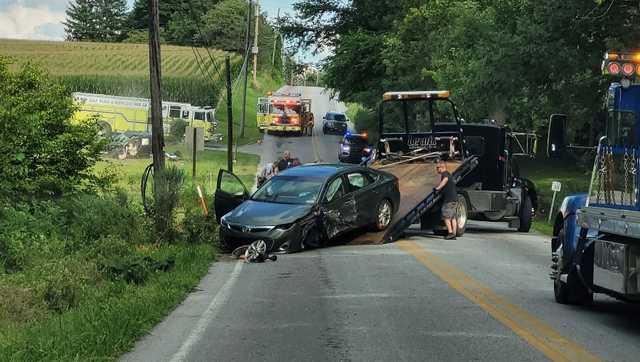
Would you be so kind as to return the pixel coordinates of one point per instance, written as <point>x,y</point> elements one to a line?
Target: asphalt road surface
<point>485,296</point>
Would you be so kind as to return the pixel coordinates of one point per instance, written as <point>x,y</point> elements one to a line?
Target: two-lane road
<point>485,296</point>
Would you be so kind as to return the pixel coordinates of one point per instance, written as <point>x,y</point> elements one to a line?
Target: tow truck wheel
<point>383,215</point>
<point>526,215</point>
<point>571,292</point>
<point>461,215</point>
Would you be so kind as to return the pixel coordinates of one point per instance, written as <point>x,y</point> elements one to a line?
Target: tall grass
<point>190,89</point>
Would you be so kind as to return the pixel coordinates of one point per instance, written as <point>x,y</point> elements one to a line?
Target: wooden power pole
<point>254,49</point>
<point>157,132</point>
<point>245,66</point>
<point>276,35</point>
<point>229,116</point>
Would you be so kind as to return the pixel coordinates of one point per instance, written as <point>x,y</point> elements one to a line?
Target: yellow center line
<point>537,333</point>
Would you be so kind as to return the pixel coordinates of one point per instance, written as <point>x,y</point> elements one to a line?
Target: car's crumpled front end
<point>248,223</point>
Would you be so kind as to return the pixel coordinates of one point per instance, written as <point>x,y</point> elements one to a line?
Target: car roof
<point>318,170</point>
<point>335,113</point>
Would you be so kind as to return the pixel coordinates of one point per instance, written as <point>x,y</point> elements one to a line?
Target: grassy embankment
<point>82,277</point>
<point>543,171</point>
<point>83,290</point>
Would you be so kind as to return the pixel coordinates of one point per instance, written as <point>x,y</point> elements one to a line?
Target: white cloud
<point>20,21</point>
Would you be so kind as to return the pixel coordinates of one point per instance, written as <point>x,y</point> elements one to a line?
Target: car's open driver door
<point>230,192</point>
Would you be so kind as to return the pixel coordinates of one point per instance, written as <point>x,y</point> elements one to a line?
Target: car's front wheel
<point>384,214</point>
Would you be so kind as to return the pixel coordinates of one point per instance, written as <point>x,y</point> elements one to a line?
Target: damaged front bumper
<point>235,235</point>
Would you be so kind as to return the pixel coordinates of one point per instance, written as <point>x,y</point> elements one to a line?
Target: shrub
<point>198,228</point>
<point>170,184</point>
<point>63,283</point>
<point>89,218</point>
<point>178,128</point>
<point>18,304</point>
<point>42,152</point>
<point>27,231</point>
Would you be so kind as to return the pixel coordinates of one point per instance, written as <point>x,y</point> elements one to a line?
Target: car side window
<point>373,177</point>
<point>357,180</point>
<point>335,191</point>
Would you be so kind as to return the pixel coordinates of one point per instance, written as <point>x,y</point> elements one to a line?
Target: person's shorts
<point>449,210</point>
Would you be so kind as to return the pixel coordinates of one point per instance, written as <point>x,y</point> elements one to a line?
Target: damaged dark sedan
<point>305,206</point>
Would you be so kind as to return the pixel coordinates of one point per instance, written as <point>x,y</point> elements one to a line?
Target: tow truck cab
<point>494,189</point>
<point>596,242</point>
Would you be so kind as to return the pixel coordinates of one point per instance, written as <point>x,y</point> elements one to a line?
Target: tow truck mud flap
<point>417,181</point>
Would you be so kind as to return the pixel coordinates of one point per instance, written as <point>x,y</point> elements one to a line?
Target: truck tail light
<point>628,69</point>
<point>613,68</point>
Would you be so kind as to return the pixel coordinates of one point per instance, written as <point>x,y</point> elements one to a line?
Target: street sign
<point>556,186</point>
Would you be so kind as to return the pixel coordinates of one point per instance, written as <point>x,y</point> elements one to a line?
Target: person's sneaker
<point>450,237</point>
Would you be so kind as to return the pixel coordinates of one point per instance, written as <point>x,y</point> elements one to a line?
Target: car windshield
<point>290,190</point>
<point>355,141</point>
<point>336,117</point>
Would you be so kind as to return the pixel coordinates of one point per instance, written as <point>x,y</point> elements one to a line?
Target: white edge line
<point>218,301</point>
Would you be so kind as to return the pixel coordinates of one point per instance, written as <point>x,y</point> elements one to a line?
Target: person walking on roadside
<point>449,199</point>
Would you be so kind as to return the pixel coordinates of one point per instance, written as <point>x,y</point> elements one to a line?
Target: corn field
<point>123,69</point>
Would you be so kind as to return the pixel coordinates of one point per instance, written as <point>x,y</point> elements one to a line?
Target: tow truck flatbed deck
<point>416,183</point>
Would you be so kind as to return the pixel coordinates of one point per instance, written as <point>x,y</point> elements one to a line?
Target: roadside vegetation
<point>543,172</point>
<point>84,271</point>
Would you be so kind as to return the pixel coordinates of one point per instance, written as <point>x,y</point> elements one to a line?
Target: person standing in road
<point>287,161</point>
<point>449,199</point>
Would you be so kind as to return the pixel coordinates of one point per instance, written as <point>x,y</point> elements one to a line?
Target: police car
<point>354,148</point>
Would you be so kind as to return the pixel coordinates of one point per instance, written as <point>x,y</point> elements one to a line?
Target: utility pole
<point>229,117</point>
<point>254,49</point>
<point>245,70</point>
<point>276,35</point>
<point>157,132</point>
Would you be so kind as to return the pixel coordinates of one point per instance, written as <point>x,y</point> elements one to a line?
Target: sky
<point>42,19</point>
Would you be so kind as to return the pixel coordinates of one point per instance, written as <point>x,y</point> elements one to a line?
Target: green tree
<point>225,24</point>
<point>111,19</point>
<point>96,20</point>
<point>80,23</point>
<point>43,153</point>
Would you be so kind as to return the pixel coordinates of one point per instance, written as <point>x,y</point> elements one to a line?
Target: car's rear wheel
<point>384,214</point>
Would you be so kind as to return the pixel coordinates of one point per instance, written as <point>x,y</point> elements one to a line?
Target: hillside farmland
<point>121,69</point>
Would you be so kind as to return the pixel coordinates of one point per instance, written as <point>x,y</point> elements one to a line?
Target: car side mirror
<point>557,135</point>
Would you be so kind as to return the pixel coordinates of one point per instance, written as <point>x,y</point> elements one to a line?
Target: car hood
<point>258,213</point>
